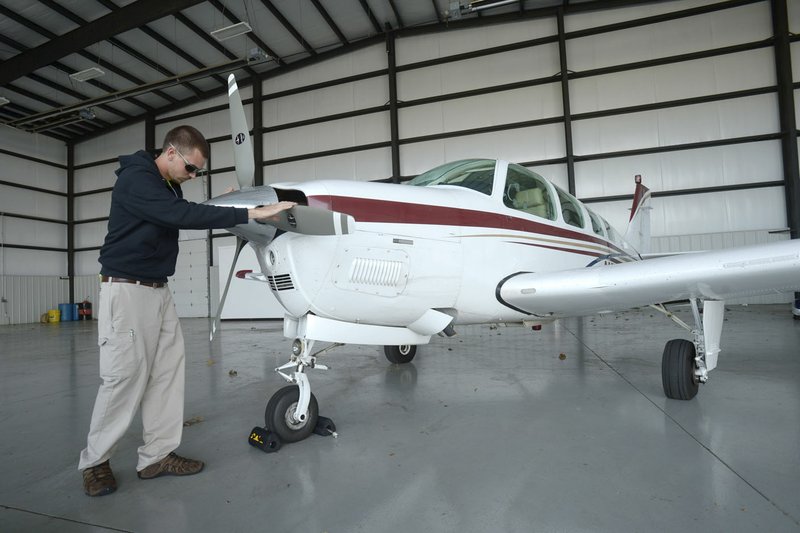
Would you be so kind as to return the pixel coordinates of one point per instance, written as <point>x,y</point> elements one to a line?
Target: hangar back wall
<point>684,93</point>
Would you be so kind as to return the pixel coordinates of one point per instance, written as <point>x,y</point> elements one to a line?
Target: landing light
<point>297,347</point>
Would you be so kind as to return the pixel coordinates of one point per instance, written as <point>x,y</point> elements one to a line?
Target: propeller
<point>240,134</point>
<point>299,219</point>
<point>240,244</point>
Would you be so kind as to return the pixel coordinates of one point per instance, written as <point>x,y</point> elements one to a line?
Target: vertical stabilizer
<point>638,233</point>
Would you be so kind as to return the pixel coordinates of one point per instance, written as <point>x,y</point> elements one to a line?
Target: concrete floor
<point>486,431</point>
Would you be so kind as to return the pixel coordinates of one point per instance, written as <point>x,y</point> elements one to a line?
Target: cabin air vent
<point>380,272</point>
<point>282,282</point>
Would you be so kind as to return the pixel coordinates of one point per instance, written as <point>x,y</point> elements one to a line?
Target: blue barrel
<point>66,312</point>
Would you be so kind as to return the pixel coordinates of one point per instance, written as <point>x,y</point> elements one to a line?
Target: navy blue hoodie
<point>146,214</point>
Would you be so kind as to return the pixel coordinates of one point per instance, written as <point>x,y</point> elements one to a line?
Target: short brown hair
<point>186,138</point>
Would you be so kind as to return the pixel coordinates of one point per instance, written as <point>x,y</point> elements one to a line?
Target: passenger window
<point>597,225</point>
<point>613,236</point>
<point>528,192</point>
<point>570,209</point>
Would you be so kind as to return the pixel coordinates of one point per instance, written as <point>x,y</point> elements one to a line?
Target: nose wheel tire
<point>279,415</point>
<point>677,370</point>
<point>400,354</point>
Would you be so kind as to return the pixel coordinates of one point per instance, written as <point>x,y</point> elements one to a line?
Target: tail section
<point>638,233</point>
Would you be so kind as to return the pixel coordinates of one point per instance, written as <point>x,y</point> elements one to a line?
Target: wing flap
<point>717,275</point>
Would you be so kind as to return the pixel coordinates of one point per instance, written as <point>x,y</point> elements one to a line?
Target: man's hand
<point>269,212</point>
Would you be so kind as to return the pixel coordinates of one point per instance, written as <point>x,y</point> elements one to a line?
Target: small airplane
<point>474,241</point>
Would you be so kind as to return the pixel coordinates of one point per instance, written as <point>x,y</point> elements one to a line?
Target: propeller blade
<point>240,133</point>
<point>313,221</point>
<point>240,244</point>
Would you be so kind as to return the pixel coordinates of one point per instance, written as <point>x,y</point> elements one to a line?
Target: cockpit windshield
<point>475,174</point>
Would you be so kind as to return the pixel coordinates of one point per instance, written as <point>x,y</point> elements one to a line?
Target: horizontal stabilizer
<point>717,275</point>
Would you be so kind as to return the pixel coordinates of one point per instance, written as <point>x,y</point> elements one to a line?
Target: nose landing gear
<point>292,413</point>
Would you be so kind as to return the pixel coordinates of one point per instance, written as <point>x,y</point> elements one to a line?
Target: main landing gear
<point>686,364</point>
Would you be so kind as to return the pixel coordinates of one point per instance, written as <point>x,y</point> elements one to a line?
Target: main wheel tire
<point>400,354</point>
<point>677,370</point>
<point>279,415</point>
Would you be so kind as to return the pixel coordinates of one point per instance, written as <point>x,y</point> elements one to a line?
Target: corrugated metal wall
<point>29,297</point>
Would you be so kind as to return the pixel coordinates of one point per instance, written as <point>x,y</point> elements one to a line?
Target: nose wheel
<point>281,415</point>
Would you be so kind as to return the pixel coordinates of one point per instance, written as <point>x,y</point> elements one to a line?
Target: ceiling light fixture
<point>39,120</point>
<point>231,31</point>
<point>87,74</point>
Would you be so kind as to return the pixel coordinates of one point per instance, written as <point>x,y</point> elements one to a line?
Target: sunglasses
<point>190,168</point>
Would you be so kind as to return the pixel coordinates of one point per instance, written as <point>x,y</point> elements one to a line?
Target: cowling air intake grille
<point>379,272</point>
<point>282,282</point>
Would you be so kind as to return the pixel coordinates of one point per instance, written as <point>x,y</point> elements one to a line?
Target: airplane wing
<point>717,275</point>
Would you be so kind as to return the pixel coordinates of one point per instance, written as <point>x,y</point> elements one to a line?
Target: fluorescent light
<point>231,31</point>
<point>4,100</point>
<point>87,74</point>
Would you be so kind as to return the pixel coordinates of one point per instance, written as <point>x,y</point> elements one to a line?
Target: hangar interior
<point>487,430</point>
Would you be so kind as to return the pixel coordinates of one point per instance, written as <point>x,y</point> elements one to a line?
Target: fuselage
<point>444,245</point>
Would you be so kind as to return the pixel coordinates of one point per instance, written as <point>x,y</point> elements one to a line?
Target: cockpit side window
<point>528,192</point>
<point>570,209</point>
<point>475,174</point>
<point>597,225</point>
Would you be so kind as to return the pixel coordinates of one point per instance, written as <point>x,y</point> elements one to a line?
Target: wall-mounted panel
<point>341,98</point>
<point>125,140</point>
<point>604,17</point>
<point>86,263</point>
<point>362,61</point>
<point>506,107</point>
<point>691,34</point>
<point>364,165</point>
<point>477,73</point>
<point>18,262</point>
<point>189,285</point>
<point>433,46</point>
<point>701,77</point>
<point>90,234</point>
<point>753,115</point>
<point>32,203</point>
<point>96,177</point>
<point>33,145</point>
<point>92,206</point>
<point>332,135</point>
<point>26,172</point>
<point>685,169</point>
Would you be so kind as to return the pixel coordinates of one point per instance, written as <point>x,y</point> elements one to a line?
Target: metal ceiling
<point>159,55</point>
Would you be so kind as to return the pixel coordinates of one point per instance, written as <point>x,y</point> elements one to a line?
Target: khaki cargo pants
<point>141,363</point>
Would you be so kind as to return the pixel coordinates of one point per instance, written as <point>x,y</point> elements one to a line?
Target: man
<point>140,337</point>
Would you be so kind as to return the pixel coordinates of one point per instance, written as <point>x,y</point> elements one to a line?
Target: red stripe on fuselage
<point>372,210</point>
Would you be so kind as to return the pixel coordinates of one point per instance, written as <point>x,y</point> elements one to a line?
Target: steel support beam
<point>562,54</point>
<point>117,22</point>
<point>258,132</point>
<point>391,60</point>
<point>783,71</point>
<point>71,219</point>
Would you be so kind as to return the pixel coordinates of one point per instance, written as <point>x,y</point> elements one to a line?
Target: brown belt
<point>154,284</point>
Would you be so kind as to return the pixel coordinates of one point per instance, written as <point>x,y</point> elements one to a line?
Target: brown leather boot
<point>171,465</point>
<point>99,480</point>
